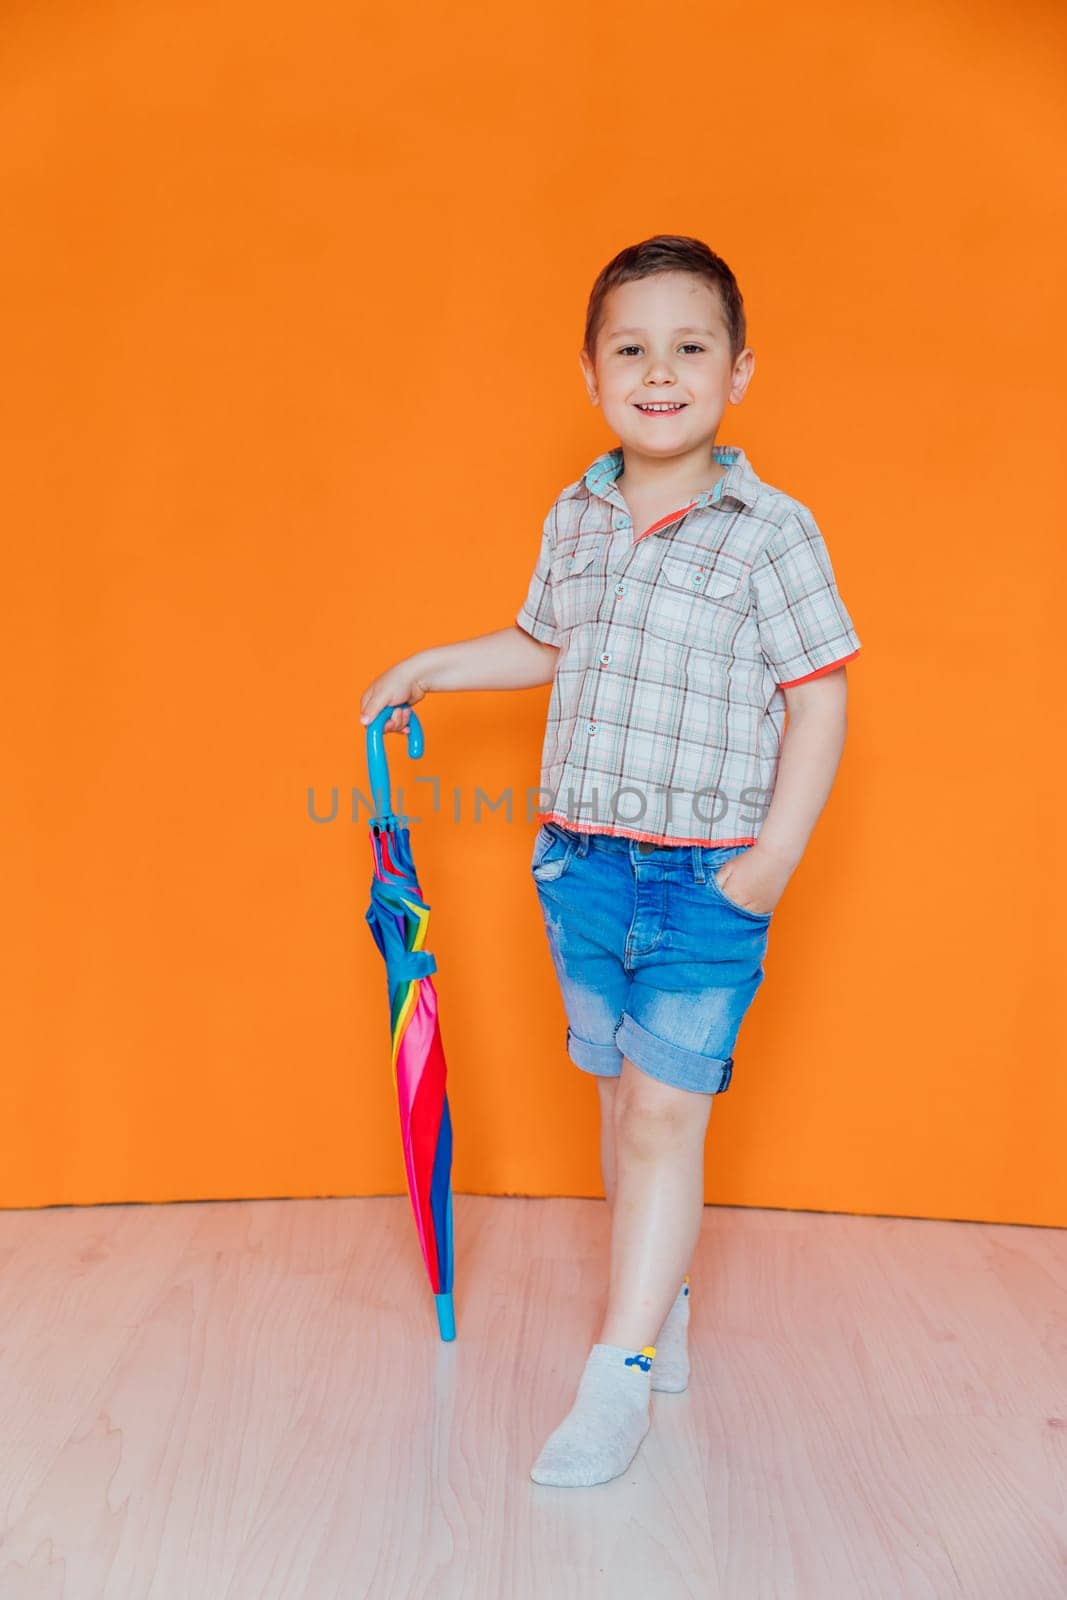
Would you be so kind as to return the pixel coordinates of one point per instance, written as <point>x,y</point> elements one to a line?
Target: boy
<point>680,607</point>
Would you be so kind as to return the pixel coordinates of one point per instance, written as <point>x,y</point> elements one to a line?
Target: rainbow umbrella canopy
<point>399,917</point>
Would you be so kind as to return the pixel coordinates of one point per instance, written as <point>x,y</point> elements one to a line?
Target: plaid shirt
<point>667,712</point>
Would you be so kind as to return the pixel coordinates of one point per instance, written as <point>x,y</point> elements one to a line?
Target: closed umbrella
<point>399,918</point>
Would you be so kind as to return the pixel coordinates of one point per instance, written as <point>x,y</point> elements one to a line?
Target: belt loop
<point>698,863</point>
<point>583,844</point>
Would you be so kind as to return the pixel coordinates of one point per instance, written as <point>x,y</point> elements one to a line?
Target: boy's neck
<point>652,491</point>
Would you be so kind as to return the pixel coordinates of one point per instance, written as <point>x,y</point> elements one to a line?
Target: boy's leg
<point>607,1088</point>
<point>670,1371</point>
<point>658,1202</point>
<point>656,1217</point>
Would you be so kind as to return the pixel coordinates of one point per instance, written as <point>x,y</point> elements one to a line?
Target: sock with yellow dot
<point>671,1371</point>
<point>602,1432</point>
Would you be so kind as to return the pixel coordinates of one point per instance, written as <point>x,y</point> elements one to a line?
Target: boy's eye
<point>688,346</point>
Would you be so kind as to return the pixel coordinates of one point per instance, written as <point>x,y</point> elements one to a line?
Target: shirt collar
<point>740,482</point>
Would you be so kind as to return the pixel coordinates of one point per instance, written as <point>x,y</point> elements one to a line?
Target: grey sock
<point>671,1371</point>
<point>601,1433</point>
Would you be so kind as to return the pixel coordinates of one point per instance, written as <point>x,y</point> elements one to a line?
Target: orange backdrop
<point>292,300</point>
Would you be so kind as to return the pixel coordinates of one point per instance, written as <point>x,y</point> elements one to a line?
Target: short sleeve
<point>804,628</point>
<point>537,614</point>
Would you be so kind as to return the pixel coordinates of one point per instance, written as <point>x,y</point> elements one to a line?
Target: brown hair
<point>668,252</point>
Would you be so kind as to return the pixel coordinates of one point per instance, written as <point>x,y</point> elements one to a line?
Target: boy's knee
<point>651,1114</point>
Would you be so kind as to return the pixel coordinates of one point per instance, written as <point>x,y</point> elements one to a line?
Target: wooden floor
<point>251,1401</point>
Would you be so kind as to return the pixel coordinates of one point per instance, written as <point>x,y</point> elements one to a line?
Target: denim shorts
<point>654,961</point>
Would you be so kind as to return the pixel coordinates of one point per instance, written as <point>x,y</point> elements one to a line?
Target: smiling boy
<point>680,607</point>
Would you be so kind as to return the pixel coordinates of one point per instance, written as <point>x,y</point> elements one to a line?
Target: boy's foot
<point>671,1371</point>
<point>601,1433</point>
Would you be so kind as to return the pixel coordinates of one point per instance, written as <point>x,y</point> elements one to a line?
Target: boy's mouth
<point>668,408</point>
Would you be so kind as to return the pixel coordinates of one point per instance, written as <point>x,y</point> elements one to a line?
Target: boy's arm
<point>508,659</point>
<point>806,635</point>
<point>807,765</point>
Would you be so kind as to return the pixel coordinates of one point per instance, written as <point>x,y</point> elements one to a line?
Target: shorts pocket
<point>552,850</point>
<point>713,860</point>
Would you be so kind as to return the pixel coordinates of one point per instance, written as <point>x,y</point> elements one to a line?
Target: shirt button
<point>620,588</point>
<point>605,658</point>
<point>570,561</point>
<point>592,727</point>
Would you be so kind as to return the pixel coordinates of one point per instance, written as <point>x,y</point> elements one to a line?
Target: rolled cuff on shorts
<point>605,1060</point>
<point>671,1063</point>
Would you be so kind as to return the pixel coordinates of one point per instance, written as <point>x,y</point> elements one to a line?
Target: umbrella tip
<point>446,1315</point>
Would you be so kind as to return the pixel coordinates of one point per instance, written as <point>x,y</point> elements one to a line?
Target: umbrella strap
<point>415,964</point>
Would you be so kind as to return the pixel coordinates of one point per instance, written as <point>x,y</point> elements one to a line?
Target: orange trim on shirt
<point>665,521</point>
<point>830,667</point>
<point>634,833</point>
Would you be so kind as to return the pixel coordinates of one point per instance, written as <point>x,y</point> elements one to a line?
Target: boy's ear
<point>744,367</point>
<point>589,374</point>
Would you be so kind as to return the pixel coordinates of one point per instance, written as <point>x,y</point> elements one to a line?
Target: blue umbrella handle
<point>446,1315</point>
<point>378,766</point>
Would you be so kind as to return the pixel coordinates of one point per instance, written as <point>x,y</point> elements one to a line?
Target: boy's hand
<point>392,688</point>
<point>754,880</point>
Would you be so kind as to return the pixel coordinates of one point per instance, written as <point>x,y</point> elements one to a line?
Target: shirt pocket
<point>577,584</point>
<point>714,578</point>
<point>698,602</point>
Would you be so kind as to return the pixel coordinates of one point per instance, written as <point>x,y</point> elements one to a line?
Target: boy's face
<point>663,339</point>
